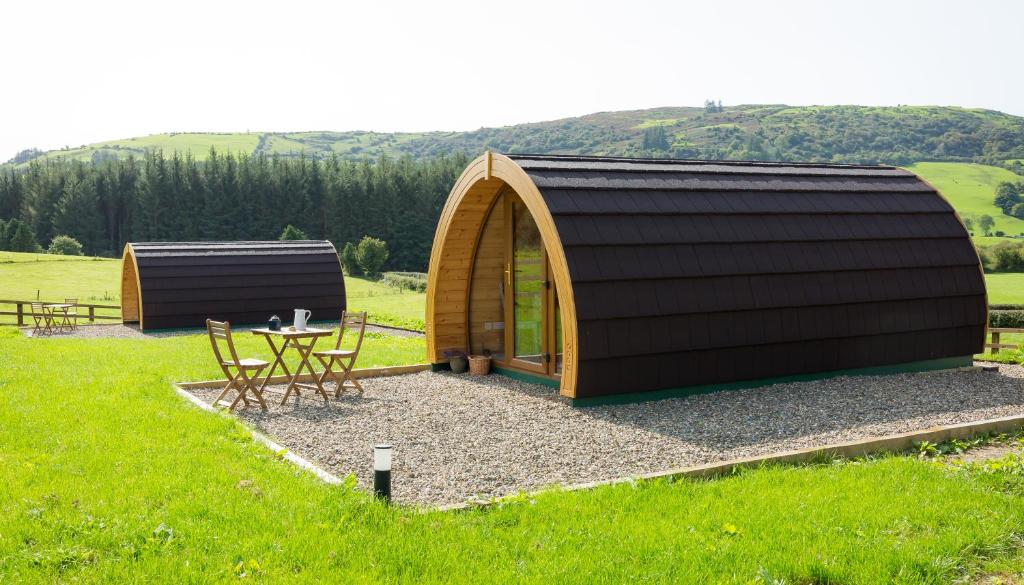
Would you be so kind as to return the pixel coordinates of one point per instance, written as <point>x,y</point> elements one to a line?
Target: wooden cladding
<point>487,287</point>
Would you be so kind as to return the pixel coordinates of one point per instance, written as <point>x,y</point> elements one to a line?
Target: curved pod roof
<point>684,273</point>
<point>181,284</point>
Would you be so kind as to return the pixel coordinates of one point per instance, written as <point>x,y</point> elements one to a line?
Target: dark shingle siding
<point>184,283</point>
<point>689,272</point>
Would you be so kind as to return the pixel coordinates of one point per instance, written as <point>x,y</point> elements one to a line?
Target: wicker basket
<point>479,365</point>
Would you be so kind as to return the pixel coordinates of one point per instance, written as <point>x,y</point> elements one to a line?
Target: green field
<point>198,143</point>
<point>1005,288</point>
<point>386,305</point>
<point>106,476</point>
<point>970,189</point>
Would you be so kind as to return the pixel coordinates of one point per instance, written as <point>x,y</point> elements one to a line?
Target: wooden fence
<point>995,345</point>
<point>23,311</point>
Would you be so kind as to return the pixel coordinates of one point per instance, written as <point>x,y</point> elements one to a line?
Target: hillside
<point>895,135</point>
<point>970,188</point>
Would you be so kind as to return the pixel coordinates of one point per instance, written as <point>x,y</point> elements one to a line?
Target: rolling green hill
<point>895,135</point>
<point>970,188</point>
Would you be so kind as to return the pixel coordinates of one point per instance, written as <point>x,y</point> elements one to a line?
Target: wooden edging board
<point>281,379</point>
<point>858,448</point>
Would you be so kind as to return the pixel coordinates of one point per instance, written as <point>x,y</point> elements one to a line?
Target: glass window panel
<point>527,286</point>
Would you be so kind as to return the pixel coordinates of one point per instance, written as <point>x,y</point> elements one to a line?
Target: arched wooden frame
<point>131,288</point>
<point>451,259</point>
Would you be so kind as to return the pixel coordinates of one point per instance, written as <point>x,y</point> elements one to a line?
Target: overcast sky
<point>80,72</point>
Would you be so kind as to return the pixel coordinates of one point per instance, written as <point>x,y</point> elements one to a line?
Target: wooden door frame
<point>547,366</point>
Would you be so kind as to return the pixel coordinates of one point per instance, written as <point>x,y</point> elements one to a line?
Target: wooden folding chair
<point>246,371</point>
<point>70,316</point>
<point>43,319</point>
<point>345,359</point>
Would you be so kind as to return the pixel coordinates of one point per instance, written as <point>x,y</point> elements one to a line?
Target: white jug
<point>301,316</point>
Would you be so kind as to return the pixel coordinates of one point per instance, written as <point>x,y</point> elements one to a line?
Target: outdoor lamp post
<point>382,471</point>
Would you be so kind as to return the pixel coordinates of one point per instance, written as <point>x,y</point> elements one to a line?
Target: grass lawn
<point>1005,288</point>
<point>106,475</point>
<point>26,277</point>
<point>385,304</point>
<point>970,189</point>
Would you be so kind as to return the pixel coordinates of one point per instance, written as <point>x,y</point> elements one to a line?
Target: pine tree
<point>292,233</point>
<point>23,238</point>
<point>349,259</point>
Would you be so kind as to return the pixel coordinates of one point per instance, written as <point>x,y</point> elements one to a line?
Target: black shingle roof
<point>184,283</point>
<point>694,272</point>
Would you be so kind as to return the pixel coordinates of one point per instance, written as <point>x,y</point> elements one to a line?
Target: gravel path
<point>458,437</point>
<point>127,331</point>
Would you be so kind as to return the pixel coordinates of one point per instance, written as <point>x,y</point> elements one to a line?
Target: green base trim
<point>922,366</point>
<point>525,377</point>
<point>202,328</point>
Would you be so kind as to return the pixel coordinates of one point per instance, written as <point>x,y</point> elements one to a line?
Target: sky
<point>78,72</point>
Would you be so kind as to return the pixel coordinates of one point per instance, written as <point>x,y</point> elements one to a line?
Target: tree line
<point>232,197</point>
<point>1010,198</point>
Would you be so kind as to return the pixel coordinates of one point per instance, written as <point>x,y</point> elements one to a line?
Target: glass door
<point>527,273</point>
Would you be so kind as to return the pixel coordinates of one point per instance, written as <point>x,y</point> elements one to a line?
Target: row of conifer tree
<point>176,197</point>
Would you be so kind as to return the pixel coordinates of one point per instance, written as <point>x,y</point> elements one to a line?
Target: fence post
<point>92,314</point>
<point>995,342</point>
<point>21,315</point>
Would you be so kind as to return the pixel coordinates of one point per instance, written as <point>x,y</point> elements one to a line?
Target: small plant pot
<point>479,365</point>
<point>458,364</point>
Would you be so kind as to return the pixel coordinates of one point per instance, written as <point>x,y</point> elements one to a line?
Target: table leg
<point>304,352</point>
<point>278,359</point>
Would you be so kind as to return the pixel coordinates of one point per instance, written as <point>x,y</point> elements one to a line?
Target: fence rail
<point>23,310</point>
<point>995,345</point>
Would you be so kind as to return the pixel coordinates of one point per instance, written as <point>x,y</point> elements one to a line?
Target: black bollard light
<point>382,471</point>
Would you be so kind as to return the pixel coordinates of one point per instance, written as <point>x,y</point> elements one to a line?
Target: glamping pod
<point>180,284</point>
<point>610,277</point>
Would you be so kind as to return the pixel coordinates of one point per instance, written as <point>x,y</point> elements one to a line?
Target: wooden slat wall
<point>450,297</point>
<point>129,289</point>
<point>486,312</point>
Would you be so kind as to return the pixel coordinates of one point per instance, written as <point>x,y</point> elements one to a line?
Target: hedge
<point>1007,319</point>
<point>414,281</point>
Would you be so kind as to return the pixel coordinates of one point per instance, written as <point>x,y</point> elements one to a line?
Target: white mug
<point>301,316</point>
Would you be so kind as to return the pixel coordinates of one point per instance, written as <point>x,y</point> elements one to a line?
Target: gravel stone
<point>459,438</point>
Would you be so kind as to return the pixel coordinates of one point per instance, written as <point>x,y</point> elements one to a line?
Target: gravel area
<point>458,437</point>
<point>128,331</point>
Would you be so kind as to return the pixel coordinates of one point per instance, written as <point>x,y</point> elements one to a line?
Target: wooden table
<point>294,339</point>
<point>63,308</point>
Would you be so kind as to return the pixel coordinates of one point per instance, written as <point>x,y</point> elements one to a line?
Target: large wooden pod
<point>614,276</point>
<point>180,284</point>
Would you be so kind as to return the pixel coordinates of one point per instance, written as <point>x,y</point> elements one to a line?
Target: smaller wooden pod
<point>167,285</point>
